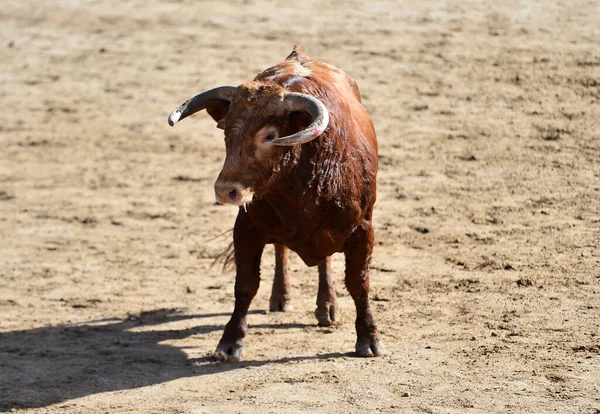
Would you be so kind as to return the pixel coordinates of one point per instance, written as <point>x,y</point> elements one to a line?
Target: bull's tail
<point>225,259</point>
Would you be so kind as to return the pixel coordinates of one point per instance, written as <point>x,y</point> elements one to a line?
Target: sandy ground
<point>486,273</point>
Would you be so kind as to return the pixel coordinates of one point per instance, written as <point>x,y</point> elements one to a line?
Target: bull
<point>301,164</point>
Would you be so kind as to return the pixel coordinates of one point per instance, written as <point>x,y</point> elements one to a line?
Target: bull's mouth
<point>233,193</point>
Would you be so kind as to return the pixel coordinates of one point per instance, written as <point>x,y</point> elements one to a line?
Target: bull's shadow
<point>42,366</point>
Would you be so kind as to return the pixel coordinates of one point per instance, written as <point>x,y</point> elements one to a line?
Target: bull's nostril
<point>232,195</point>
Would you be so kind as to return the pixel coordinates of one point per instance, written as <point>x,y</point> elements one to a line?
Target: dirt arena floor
<point>486,274</point>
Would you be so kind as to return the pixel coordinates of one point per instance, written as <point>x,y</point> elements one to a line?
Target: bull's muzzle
<point>232,193</point>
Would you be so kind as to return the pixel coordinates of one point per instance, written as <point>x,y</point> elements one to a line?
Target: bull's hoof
<point>229,352</point>
<point>326,314</point>
<point>369,347</point>
<point>280,303</point>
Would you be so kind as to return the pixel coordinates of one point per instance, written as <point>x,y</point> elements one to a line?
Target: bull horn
<point>198,103</point>
<point>294,101</point>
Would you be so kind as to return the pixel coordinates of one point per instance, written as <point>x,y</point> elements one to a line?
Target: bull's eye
<point>266,134</point>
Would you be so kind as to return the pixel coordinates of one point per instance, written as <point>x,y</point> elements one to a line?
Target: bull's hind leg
<point>281,293</point>
<point>248,244</point>
<point>358,251</point>
<point>326,298</point>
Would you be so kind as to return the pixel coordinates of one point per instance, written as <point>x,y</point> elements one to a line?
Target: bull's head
<point>259,120</point>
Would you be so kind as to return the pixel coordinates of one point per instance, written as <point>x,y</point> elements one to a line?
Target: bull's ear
<point>299,121</point>
<point>218,109</point>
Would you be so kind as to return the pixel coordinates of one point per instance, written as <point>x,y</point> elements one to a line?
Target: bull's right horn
<point>198,103</point>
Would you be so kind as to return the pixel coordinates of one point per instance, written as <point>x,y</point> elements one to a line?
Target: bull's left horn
<point>294,101</point>
<point>198,103</point>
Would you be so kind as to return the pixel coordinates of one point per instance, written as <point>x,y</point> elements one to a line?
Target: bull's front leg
<point>281,293</point>
<point>326,298</point>
<point>248,243</point>
<point>358,250</point>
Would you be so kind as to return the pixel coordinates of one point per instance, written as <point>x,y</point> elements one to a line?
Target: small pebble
<point>406,394</point>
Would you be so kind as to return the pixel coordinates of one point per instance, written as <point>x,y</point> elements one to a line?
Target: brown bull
<point>301,162</point>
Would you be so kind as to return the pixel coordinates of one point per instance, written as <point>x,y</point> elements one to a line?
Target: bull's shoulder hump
<point>284,70</point>
<point>294,71</point>
<point>339,79</point>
